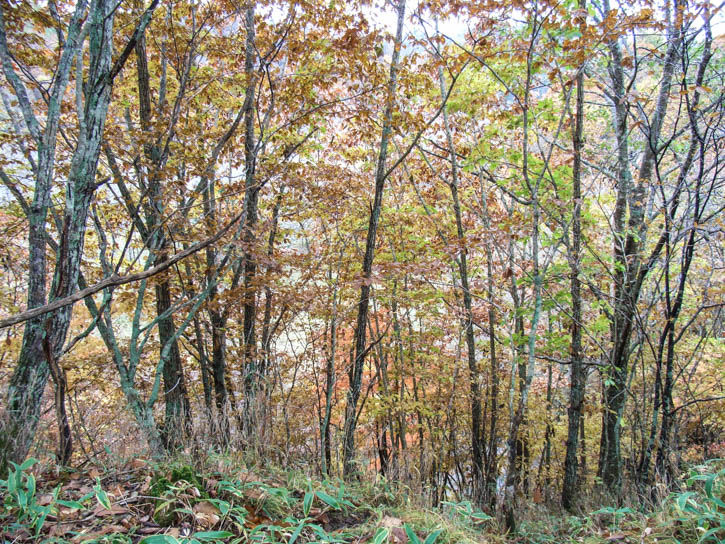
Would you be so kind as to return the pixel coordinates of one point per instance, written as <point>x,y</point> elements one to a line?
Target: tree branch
<point>115,280</point>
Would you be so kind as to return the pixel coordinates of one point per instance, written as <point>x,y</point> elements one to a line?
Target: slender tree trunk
<point>251,199</point>
<point>526,371</point>
<point>330,380</point>
<point>218,372</point>
<point>491,452</point>
<point>360,330</point>
<point>399,361</point>
<point>663,466</point>
<point>265,359</point>
<point>545,462</point>
<point>204,368</point>
<point>578,372</point>
<point>177,419</point>
<point>674,308</point>
<point>65,437</point>
<point>492,456</point>
<point>477,447</point>
<point>381,365</point>
<point>218,318</point>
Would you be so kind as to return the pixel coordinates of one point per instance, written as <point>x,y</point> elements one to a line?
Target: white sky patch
<point>384,15</point>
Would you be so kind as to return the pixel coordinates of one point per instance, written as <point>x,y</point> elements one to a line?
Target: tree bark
<point>31,373</point>
<point>517,443</point>
<point>578,372</point>
<point>330,380</point>
<point>177,419</point>
<point>477,447</point>
<point>251,201</point>
<point>491,465</point>
<point>629,238</point>
<point>359,340</point>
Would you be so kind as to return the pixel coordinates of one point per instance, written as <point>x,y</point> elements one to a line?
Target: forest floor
<point>229,501</point>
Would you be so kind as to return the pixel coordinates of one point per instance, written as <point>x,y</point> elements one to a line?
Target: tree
<point>630,229</point>
<point>362,314</point>
<point>578,371</point>
<point>48,334</point>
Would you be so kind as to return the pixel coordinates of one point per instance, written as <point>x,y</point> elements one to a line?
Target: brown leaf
<point>148,530</point>
<point>254,493</point>
<point>116,509</point>
<point>102,531</point>
<point>206,514</point>
<point>139,463</point>
<point>45,499</point>
<point>398,536</point>
<point>65,513</point>
<point>57,530</point>
<point>116,491</point>
<point>389,522</point>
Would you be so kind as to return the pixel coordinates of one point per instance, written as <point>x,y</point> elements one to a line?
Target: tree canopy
<point>473,247</point>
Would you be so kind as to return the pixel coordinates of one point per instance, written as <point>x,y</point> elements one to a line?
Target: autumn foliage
<point>475,248</point>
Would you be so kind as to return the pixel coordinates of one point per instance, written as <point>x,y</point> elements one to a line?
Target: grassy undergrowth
<point>227,500</point>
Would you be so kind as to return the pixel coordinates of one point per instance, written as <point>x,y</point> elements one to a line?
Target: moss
<point>186,473</point>
<point>164,483</point>
<point>159,486</point>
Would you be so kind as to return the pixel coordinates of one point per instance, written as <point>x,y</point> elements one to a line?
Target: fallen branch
<point>115,280</point>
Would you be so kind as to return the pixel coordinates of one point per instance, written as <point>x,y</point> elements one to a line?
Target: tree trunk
<point>204,369</point>
<point>362,314</point>
<point>251,199</point>
<point>268,329</point>
<point>31,373</point>
<point>526,372</point>
<point>629,239</point>
<point>330,380</point>
<point>65,437</point>
<point>578,372</point>
<point>177,419</point>
<point>477,447</point>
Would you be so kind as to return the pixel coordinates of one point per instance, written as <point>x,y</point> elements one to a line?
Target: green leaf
<point>433,537</point>
<point>605,510</point>
<point>297,532</point>
<point>381,535</point>
<point>712,533</point>
<point>212,535</point>
<point>40,520</point>
<point>11,485</point>
<point>29,462</point>
<point>101,496</point>
<point>411,535</point>
<point>709,484</point>
<point>159,539</point>
<point>683,499</point>
<point>87,496</point>
<point>307,503</point>
<point>70,504</point>
<point>480,516</point>
<point>22,498</point>
<point>328,499</point>
<point>31,485</point>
